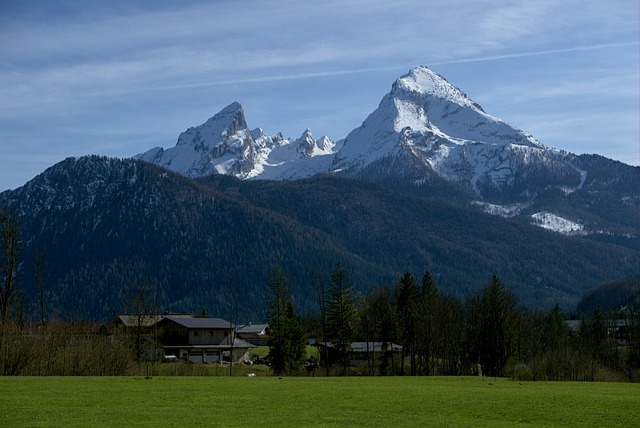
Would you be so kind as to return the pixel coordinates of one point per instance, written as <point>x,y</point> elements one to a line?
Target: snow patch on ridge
<point>506,211</point>
<point>553,222</point>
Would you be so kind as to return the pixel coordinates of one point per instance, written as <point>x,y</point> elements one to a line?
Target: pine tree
<point>341,313</point>
<point>408,312</point>
<point>429,305</point>
<point>496,307</point>
<point>287,347</point>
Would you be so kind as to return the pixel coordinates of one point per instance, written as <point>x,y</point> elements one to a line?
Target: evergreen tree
<point>493,314</point>
<point>555,329</point>
<point>430,303</point>
<point>295,341</point>
<point>595,342</point>
<point>341,313</point>
<point>408,313</point>
<point>287,347</point>
<point>385,325</point>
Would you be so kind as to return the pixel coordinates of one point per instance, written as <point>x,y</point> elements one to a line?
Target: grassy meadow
<point>272,401</point>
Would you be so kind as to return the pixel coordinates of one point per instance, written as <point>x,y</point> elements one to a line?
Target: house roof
<point>204,323</point>
<point>253,328</point>
<point>146,320</point>
<point>362,346</point>
<point>253,336</point>
<point>237,344</point>
<point>135,320</point>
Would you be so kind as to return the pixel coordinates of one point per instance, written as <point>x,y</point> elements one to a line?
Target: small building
<point>360,353</point>
<point>202,340</point>
<point>256,334</point>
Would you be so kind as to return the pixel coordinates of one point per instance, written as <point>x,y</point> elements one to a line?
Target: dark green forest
<point>102,225</point>
<point>486,333</point>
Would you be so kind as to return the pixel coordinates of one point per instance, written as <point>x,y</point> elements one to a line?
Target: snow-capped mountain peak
<point>423,127</point>
<point>426,123</point>
<point>220,145</point>
<point>226,123</point>
<point>225,145</point>
<point>424,82</point>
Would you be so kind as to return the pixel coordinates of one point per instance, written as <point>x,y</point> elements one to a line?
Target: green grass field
<point>297,402</point>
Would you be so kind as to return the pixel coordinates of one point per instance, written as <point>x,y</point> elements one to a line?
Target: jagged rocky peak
<point>209,148</point>
<point>257,133</point>
<point>307,143</point>
<point>232,116</point>
<point>325,143</point>
<point>309,146</point>
<point>226,123</point>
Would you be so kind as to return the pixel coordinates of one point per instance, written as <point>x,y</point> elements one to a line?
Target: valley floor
<point>352,401</point>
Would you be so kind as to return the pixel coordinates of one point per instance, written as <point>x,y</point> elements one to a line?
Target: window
<point>195,333</point>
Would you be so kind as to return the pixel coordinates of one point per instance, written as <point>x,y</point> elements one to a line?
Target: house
<point>360,353</point>
<point>256,334</point>
<point>202,340</point>
<point>143,331</point>
<point>617,329</point>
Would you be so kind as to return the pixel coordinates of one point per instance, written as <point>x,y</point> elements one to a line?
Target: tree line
<point>487,333</point>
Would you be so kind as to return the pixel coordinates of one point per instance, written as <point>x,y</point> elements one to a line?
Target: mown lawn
<point>354,401</point>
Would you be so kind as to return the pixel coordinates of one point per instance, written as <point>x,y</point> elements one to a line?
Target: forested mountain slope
<point>105,224</point>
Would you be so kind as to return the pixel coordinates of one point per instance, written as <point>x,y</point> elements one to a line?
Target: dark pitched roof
<point>146,320</point>
<point>204,323</point>
<point>239,343</point>
<point>253,328</point>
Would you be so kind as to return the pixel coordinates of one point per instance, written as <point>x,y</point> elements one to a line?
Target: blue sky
<point>119,77</point>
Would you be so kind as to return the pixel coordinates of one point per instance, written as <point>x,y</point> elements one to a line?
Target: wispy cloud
<point>539,53</point>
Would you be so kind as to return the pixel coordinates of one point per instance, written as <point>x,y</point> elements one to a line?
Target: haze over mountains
<point>429,181</point>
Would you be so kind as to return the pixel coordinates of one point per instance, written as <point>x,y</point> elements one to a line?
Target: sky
<point>117,78</point>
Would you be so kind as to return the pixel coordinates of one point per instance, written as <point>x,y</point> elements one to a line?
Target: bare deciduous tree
<point>11,247</point>
<point>40,276</point>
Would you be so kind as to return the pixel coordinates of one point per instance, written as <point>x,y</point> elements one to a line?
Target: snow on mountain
<point>506,211</point>
<point>424,125</point>
<point>225,145</point>
<point>558,224</point>
<point>427,120</point>
<point>287,159</point>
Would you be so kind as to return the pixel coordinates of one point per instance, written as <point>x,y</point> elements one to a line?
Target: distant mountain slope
<point>611,296</point>
<point>459,245</point>
<point>106,223</point>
